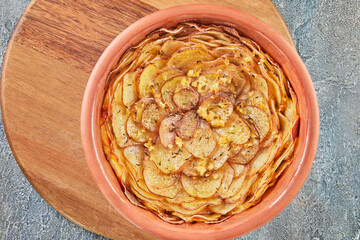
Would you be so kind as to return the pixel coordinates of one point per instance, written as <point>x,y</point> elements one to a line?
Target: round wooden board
<point>47,64</point>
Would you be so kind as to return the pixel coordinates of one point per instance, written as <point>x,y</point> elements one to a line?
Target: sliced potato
<point>240,196</point>
<point>138,108</point>
<point>170,47</point>
<point>202,187</point>
<point>207,218</point>
<point>154,177</point>
<point>130,93</point>
<point>119,169</point>
<point>238,168</point>
<point>146,79</point>
<point>196,167</point>
<point>182,197</point>
<point>141,193</point>
<point>152,116</point>
<point>117,102</point>
<point>253,98</point>
<point>166,185</point>
<point>213,83</point>
<point>229,174</point>
<point>167,130</point>
<point>186,98</point>
<point>260,84</point>
<point>218,157</point>
<point>161,78</point>
<point>181,59</point>
<point>168,90</point>
<point>169,160</point>
<point>203,142</point>
<point>259,118</point>
<point>236,130</point>
<point>186,127</point>
<point>178,209</point>
<point>199,67</point>
<point>247,153</point>
<point>216,110</point>
<point>137,132</point>
<point>134,156</point>
<point>201,202</point>
<point>239,78</point>
<point>119,121</point>
<point>261,159</point>
<point>235,187</point>
<point>223,208</point>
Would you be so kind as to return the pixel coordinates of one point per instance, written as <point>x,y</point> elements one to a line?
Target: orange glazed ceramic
<point>277,197</point>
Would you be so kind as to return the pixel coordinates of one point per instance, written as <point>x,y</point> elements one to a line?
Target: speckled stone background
<point>327,37</point>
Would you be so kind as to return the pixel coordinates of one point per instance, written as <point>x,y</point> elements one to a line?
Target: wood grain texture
<point>48,61</point>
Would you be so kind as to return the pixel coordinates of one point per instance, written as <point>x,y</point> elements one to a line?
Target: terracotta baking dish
<point>277,197</point>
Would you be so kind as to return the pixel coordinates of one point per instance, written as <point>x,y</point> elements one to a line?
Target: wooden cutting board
<point>47,64</point>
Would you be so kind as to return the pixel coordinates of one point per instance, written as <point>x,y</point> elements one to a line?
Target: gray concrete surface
<point>327,37</point>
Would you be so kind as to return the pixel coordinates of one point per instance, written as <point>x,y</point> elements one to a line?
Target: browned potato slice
<point>170,47</point>
<point>130,94</point>
<point>161,78</point>
<point>158,182</point>
<point>236,130</point>
<point>131,197</point>
<point>249,149</point>
<point>182,197</point>
<point>238,77</point>
<point>117,100</point>
<point>178,209</point>
<point>253,98</point>
<point>218,157</point>
<point>167,130</point>
<point>235,50</point>
<point>152,116</point>
<point>275,90</point>
<point>240,196</point>
<point>146,79</point>
<point>235,187</point>
<point>216,110</point>
<point>285,126</point>
<point>181,59</point>
<point>137,132</point>
<point>201,202</point>
<point>139,107</point>
<point>208,218</point>
<point>134,156</point>
<point>202,187</point>
<point>203,142</point>
<point>213,83</point>
<point>229,73</point>
<point>195,69</point>
<point>140,192</point>
<point>186,127</point>
<point>168,90</point>
<point>169,160</point>
<point>119,121</point>
<point>154,177</point>
<point>259,83</point>
<point>262,159</point>
<point>227,180</point>
<point>186,98</point>
<point>223,208</point>
<point>238,168</point>
<point>195,167</point>
<point>259,118</point>
<point>119,169</point>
